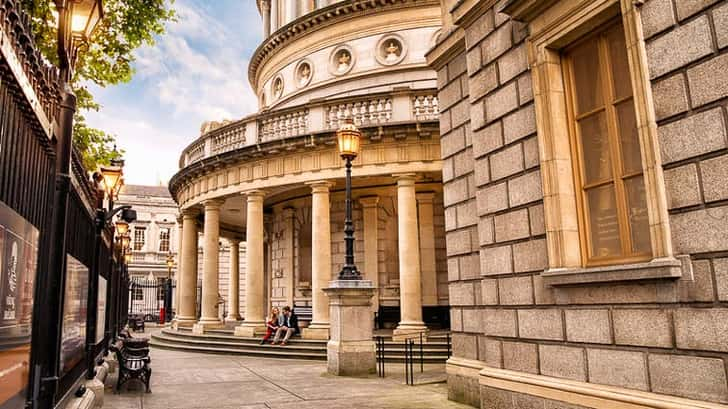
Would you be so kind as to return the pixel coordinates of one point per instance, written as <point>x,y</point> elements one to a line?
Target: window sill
<point>662,268</point>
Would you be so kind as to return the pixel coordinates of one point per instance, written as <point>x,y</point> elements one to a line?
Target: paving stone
<point>692,136</point>
<point>562,362</point>
<point>626,369</point>
<point>670,51</point>
<point>703,329</point>
<point>520,356</point>
<point>708,81</point>
<point>642,327</point>
<point>591,326</point>
<point>715,174</point>
<point>682,186</point>
<point>540,324</point>
<point>499,323</point>
<point>670,96</point>
<point>688,376</point>
<point>515,291</point>
<point>657,15</point>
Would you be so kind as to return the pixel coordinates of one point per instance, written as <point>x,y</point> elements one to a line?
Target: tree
<point>106,60</point>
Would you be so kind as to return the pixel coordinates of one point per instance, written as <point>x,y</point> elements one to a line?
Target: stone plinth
<point>351,350</point>
<point>250,329</point>
<point>200,327</point>
<point>315,331</point>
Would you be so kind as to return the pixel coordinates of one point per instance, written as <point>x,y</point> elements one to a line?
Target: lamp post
<point>168,289</point>
<point>77,21</point>
<point>348,139</point>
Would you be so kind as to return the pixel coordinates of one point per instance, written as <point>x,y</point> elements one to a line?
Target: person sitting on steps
<point>289,326</point>
<point>271,325</point>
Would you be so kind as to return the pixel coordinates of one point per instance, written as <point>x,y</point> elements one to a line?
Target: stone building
<point>275,178</point>
<point>154,237</point>
<point>585,170</point>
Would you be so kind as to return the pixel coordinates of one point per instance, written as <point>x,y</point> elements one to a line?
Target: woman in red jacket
<point>271,325</point>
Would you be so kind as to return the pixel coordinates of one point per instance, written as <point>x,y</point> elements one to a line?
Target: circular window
<point>391,49</point>
<point>277,87</point>
<point>303,73</point>
<point>342,60</point>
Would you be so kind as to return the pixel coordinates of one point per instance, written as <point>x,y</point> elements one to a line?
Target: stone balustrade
<point>408,106</point>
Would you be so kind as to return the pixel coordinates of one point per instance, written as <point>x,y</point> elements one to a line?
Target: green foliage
<point>106,60</point>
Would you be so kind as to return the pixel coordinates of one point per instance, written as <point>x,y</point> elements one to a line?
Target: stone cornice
<point>525,10</point>
<point>323,17</point>
<point>450,45</point>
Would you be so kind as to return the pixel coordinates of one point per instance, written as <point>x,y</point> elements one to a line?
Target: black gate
<point>147,298</point>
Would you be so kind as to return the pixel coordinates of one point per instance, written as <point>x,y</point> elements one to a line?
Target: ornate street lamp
<point>122,227</point>
<point>170,264</point>
<point>348,138</point>
<point>77,21</point>
<point>127,256</point>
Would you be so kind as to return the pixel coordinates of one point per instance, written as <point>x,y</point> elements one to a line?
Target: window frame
<point>552,26</point>
<point>143,230</point>
<point>162,240</point>
<point>618,176</point>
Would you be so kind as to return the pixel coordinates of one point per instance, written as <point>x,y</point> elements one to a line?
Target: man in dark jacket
<point>288,326</point>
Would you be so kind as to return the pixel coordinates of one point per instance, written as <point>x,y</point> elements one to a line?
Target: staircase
<point>222,341</point>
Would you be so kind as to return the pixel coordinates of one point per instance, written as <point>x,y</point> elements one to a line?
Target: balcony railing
<point>374,110</point>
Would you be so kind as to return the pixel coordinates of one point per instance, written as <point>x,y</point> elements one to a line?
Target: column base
<point>410,330</point>
<point>233,319</point>
<point>183,322</point>
<point>316,331</point>
<point>200,327</point>
<point>250,329</point>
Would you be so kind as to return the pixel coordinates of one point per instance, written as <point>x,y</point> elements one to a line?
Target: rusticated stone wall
<point>663,336</point>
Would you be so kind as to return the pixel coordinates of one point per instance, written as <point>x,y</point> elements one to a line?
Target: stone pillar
<point>351,350</point>
<point>177,273</point>
<point>288,262</point>
<point>211,269</point>
<point>254,321</point>
<point>410,287</point>
<point>265,11</point>
<point>306,7</point>
<point>320,260</point>
<point>290,11</point>
<point>428,261</point>
<point>234,282</point>
<point>370,210</point>
<point>274,15</point>
<point>187,284</point>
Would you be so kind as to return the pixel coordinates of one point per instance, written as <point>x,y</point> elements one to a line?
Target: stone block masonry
<point>662,338</point>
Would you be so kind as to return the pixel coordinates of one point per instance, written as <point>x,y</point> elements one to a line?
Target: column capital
<point>254,195</point>
<point>213,204</point>
<point>265,5</point>
<point>320,186</point>
<point>190,213</point>
<point>405,178</point>
<point>369,201</point>
<point>425,197</point>
<point>233,241</point>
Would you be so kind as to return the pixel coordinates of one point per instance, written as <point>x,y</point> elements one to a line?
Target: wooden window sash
<point>618,177</point>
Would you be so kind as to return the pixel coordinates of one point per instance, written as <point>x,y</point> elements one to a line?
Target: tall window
<point>139,237</point>
<point>164,239</point>
<point>604,141</point>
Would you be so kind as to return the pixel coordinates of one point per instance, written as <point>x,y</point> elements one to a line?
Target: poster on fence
<point>18,261</point>
<point>101,311</point>
<point>73,333</point>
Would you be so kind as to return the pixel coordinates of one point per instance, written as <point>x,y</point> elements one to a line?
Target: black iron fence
<point>151,299</point>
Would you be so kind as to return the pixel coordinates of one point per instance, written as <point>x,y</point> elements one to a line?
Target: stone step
<point>296,349</point>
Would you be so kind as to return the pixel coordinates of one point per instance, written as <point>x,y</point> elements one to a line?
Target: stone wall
<point>664,336</point>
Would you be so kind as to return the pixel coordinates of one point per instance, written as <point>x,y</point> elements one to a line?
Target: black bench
<point>134,361</point>
<point>136,322</point>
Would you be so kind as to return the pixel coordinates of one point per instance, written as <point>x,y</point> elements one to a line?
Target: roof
<point>141,190</point>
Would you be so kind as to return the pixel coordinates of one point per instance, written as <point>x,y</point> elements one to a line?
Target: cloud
<point>196,72</point>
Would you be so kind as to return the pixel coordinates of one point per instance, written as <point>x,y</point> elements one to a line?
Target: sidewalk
<point>182,380</point>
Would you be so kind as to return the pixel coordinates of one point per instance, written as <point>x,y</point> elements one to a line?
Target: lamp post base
<point>351,350</point>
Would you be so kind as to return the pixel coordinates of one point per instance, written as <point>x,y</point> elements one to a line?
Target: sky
<point>196,72</point>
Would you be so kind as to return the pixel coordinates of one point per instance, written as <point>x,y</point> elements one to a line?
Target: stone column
<point>290,11</point>
<point>187,284</point>
<point>320,260</point>
<point>234,282</point>
<point>306,7</point>
<point>211,268</point>
<point>254,321</point>
<point>274,17</point>
<point>288,256</point>
<point>410,287</point>
<point>265,11</point>
<point>370,210</point>
<point>428,261</point>
<point>177,273</point>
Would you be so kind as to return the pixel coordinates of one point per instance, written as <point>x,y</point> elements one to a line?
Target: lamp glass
<point>122,227</point>
<point>125,241</point>
<point>86,17</point>
<point>348,138</point>
<point>112,176</point>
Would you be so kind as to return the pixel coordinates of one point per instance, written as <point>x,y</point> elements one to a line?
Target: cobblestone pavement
<point>182,380</point>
